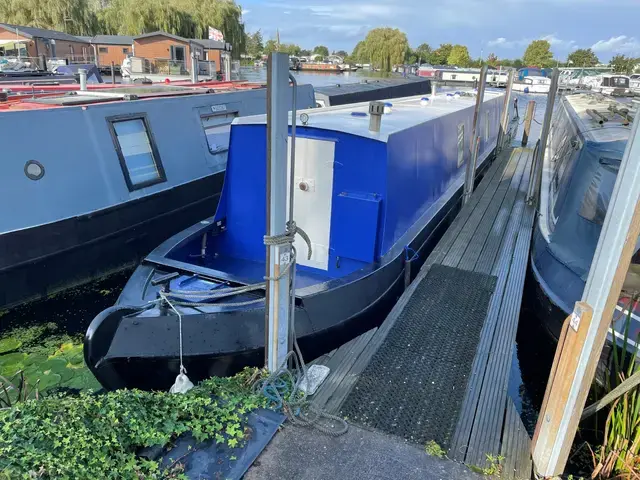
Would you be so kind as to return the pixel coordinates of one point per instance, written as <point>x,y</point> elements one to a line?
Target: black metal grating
<point>415,383</point>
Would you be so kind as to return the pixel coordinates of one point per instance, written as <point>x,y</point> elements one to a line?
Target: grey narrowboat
<point>94,180</point>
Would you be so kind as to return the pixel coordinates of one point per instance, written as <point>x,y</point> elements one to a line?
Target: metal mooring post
<point>585,331</point>
<point>538,162</point>
<point>470,176</point>
<point>82,73</point>
<point>504,120</point>
<point>113,73</point>
<point>194,67</point>
<point>278,256</point>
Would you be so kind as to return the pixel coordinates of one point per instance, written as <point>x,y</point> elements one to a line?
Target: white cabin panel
<point>313,190</point>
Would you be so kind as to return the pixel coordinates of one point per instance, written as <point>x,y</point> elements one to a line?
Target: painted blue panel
<point>360,166</point>
<point>423,163</point>
<point>356,226</point>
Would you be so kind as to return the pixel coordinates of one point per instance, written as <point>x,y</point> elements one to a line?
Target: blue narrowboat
<point>369,201</point>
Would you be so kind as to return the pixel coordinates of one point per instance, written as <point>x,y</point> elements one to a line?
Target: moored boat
<point>586,144</point>
<point>372,203</point>
<point>107,175</point>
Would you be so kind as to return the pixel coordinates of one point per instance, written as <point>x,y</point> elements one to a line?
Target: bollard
<point>113,74</point>
<point>194,67</point>
<point>528,118</point>
<point>82,72</point>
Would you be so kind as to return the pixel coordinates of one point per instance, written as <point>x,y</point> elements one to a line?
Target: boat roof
<point>56,96</point>
<point>405,113</point>
<point>612,130</point>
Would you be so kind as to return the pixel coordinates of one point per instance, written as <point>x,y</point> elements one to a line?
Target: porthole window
<point>34,170</point>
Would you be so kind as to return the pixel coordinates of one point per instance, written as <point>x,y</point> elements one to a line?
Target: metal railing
<point>166,66</point>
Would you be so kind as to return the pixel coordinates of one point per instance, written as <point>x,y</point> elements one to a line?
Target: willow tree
<point>72,16</point>
<point>129,17</point>
<point>224,15</point>
<point>384,47</point>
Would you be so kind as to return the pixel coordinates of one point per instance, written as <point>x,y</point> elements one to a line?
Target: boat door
<point>313,191</point>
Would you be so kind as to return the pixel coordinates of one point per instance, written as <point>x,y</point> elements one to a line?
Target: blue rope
<point>408,249</point>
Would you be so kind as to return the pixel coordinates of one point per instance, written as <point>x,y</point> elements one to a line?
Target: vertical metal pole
<point>538,161</point>
<point>556,429</point>
<point>113,73</point>
<point>528,117</point>
<point>278,256</point>
<point>470,176</point>
<point>227,68</point>
<point>504,121</point>
<point>82,73</point>
<point>194,67</point>
<point>43,61</point>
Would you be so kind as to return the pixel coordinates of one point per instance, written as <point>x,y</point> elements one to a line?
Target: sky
<point>504,27</point>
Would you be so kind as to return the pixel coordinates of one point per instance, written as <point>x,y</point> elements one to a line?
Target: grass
<point>435,450</point>
<point>493,467</point>
<point>618,455</point>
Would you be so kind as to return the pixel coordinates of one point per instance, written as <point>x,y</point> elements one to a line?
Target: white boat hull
<point>526,88</point>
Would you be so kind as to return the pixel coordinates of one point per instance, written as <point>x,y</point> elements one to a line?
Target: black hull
<point>552,318</point>
<point>126,351</point>
<point>40,261</point>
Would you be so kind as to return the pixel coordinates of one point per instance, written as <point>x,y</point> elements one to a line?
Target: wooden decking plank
<point>334,382</point>
<point>483,190</point>
<point>460,445</point>
<point>509,443</point>
<point>494,193</point>
<point>487,258</point>
<point>490,231</point>
<point>485,433</point>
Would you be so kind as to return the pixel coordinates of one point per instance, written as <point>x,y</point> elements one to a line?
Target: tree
<point>187,18</point>
<point>459,56</point>
<point>441,54</point>
<point>384,47</point>
<point>254,44</point>
<point>341,53</point>
<point>270,47</point>
<point>321,50</point>
<point>71,16</point>
<point>305,52</point>
<point>583,57</point>
<point>538,54</point>
<point>623,64</point>
<point>358,54</point>
<point>492,60</point>
<point>423,52</point>
<point>517,63</point>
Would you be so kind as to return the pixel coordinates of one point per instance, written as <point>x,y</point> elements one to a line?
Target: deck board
<point>490,235</point>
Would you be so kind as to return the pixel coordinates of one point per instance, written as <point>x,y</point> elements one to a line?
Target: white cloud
<point>620,44</point>
<point>287,12</point>
<point>553,39</point>
<point>245,11</point>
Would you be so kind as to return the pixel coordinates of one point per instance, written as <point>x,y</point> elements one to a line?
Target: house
<point>16,40</point>
<point>172,53</point>
<point>111,48</point>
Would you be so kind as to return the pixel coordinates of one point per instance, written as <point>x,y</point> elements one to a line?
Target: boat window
<point>125,50</point>
<point>103,50</point>
<point>619,82</point>
<point>217,128</point>
<point>139,157</point>
<point>596,199</point>
<point>460,144</point>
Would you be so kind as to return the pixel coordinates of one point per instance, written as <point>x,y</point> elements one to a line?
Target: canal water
<point>73,310</point>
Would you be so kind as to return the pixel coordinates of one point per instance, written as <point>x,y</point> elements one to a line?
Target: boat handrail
<point>533,192</point>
